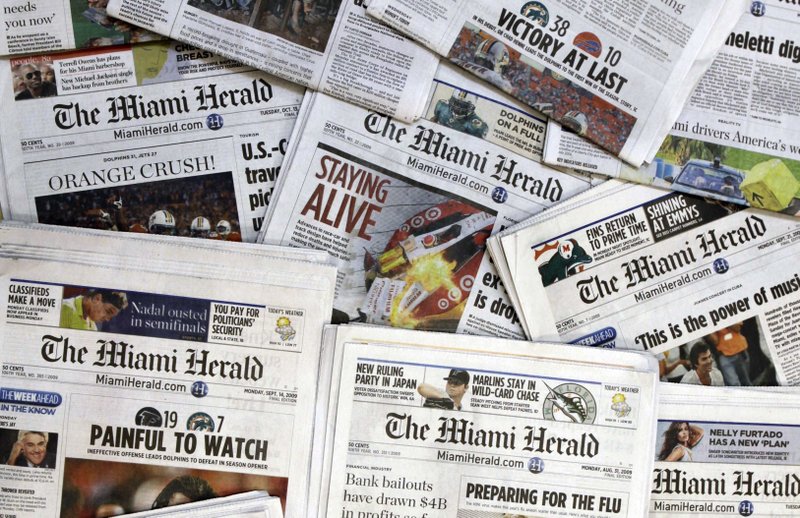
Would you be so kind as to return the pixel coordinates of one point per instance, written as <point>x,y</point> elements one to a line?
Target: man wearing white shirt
<point>703,371</point>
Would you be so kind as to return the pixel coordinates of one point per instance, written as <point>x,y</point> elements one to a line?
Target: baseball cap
<point>458,376</point>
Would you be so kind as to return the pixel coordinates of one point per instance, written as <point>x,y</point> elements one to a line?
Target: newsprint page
<point>710,288</point>
<point>252,504</point>
<point>132,385</point>
<point>738,137</point>
<point>329,46</point>
<point>158,137</point>
<point>616,72</point>
<point>726,452</point>
<point>36,26</point>
<point>487,428</point>
<point>406,209</point>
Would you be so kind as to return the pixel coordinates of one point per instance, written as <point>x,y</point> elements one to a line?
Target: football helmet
<point>162,222</point>
<point>462,104</point>
<point>200,227</point>
<point>493,55</point>
<point>223,228</point>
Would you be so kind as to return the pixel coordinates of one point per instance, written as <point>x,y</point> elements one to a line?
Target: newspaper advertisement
<point>155,138</point>
<point>406,209</point>
<point>326,45</point>
<point>617,73</point>
<point>709,288</point>
<point>426,431</point>
<point>147,390</point>
<point>726,452</point>
<point>37,26</point>
<point>736,139</point>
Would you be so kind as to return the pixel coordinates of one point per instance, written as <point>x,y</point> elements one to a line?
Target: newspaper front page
<point>710,288</point>
<point>36,26</point>
<point>326,45</point>
<point>131,388</point>
<point>487,428</point>
<point>406,209</point>
<point>159,137</point>
<point>737,137</point>
<point>726,452</point>
<point>616,72</point>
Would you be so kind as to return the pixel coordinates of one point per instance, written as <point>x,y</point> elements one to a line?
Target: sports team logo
<point>569,402</point>
<point>200,422</point>
<point>620,407</point>
<point>283,326</point>
<point>537,12</point>
<point>149,416</point>
<point>589,43</point>
<point>569,258</point>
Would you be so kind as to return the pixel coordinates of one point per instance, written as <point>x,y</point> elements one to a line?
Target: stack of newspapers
<point>399,259</point>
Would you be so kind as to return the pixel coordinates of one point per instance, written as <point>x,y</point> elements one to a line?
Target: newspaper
<point>738,453</point>
<point>137,386</point>
<point>330,46</point>
<point>406,209</point>
<point>37,26</point>
<point>486,428</point>
<point>158,137</point>
<point>170,253</point>
<point>737,137</point>
<point>618,73</point>
<point>710,288</point>
<point>253,504</point>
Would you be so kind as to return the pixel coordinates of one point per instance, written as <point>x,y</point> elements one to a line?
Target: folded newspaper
<point>406,209</point>
<point>136,379</point>
<point>726,452</point>
<point>617,73</point>
<point>738,137</point>
<point>253,504</point>
<point>36,26</point>
<point>159,137</point>
<point>710,288</point>
<point>484,428</point>
<point>330,46</point>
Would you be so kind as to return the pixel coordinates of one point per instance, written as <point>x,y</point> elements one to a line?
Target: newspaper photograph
<point>37,26</point>
<point>159,138</point>
<point>615,73</point>
<point>406,209</point>
<point>326,45</point>
<point>460,102</point>
<point>726,452</point>
<point>487,428</point>
<point>144,389</point>
<point>709,288</point>
<point>736,139</point>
